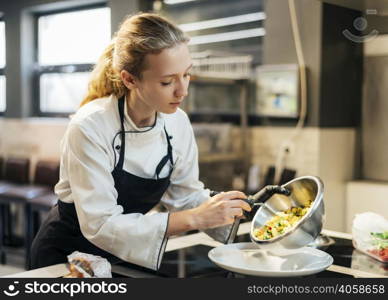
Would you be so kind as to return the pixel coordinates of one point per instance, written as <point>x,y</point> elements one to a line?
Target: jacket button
<point>117,147</point>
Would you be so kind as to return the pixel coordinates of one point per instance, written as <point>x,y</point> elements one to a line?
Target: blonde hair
<point>138,35</point>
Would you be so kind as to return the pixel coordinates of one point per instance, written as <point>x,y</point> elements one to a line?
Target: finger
<point>235,195</point>
<point>240,204</point>
<point>229,221</point>
<point>219,196</point>
<point>236,212</point>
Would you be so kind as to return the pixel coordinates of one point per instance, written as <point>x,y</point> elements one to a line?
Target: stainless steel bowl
<point>306,230</point>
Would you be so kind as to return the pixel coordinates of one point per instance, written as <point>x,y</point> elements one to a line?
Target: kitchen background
<point>239,47</point>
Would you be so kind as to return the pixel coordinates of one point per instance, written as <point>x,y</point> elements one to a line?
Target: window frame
<point>40,70</point>
<point>2,70</point>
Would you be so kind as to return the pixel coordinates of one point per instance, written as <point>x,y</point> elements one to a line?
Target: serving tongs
<point>257,199</point>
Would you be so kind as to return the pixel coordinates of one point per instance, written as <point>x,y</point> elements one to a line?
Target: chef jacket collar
<point>144,133</point>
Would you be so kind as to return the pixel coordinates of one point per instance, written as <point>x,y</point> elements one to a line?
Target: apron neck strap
<point>122,133</point>
<point>165,159</point>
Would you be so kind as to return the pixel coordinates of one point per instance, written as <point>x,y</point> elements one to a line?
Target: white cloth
<point>88,156</point>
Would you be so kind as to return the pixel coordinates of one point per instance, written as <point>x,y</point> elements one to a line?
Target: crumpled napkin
<point>100,266</point>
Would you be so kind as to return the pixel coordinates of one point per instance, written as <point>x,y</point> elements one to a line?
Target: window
<point>2,66</point>
<point>69,43</point>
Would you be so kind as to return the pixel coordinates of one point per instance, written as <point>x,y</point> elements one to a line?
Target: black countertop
<point>193,262</point>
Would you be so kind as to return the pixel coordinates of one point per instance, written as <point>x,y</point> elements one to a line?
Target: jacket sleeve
<point>186,190</point>
<point>136,238</point>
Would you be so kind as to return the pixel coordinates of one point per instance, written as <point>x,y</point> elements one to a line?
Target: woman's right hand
<point>220,210</point>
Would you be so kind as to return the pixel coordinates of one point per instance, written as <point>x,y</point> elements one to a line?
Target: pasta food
<point>281,223</point>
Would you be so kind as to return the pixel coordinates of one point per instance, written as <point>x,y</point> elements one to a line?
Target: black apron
<point>60,233</point>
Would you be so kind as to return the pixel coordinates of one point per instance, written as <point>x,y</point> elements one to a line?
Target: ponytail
<point>138,35</point>
<point>104,79</point>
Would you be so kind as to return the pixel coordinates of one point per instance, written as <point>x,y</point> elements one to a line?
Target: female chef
<point>128,148</point>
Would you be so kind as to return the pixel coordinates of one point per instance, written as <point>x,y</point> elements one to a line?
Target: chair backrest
<point>17,170</point>
<point>46,173</point>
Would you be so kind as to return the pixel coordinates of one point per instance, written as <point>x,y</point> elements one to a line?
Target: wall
<point>365,196</point>
<point>371,193</point>
<point>327,153</point>
<point>279,45</point>
<point>375,107</point>
<point>336,168</point>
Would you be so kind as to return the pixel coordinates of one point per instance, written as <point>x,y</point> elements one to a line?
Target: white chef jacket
<point>88,156</point>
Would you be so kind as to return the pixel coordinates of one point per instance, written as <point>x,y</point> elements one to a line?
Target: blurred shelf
<point>214,79</point>
<point>244,155</point>
<point>220,157</point>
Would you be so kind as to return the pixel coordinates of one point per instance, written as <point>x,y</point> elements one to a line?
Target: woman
<point>128,148</point>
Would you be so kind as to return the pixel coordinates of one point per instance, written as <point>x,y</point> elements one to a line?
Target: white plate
<point>249,259</point>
